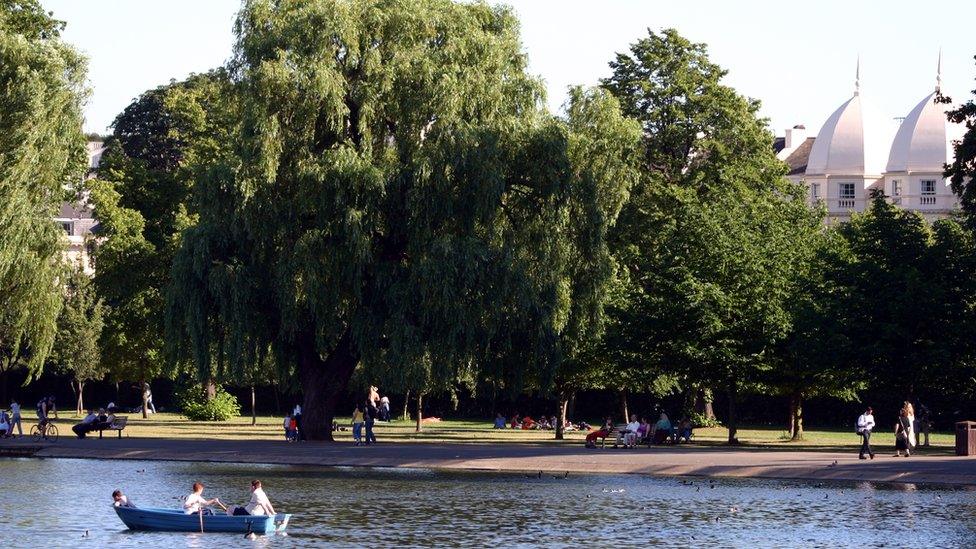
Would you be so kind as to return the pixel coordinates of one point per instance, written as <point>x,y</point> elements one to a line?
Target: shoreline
<point>666,461</point>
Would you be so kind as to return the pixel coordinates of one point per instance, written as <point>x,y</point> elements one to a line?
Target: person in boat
<point>121,500</point>
<point>196,503</point>
<point>259,504</point>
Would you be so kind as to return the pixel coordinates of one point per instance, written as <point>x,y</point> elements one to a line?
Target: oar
<point>201,519</point>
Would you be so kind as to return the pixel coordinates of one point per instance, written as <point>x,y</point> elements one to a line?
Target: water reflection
<point>52,503</point>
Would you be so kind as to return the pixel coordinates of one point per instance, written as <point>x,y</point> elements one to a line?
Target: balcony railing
<point>927,200</point>
<point>845,203</point>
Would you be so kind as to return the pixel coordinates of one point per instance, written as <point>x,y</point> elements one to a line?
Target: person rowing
<point>259,504</point>
<point>196,503</point>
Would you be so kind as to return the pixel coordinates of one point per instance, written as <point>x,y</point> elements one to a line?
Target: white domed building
<point>857,150</point>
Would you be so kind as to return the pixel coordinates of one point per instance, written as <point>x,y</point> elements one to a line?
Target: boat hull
<point>172,520</point>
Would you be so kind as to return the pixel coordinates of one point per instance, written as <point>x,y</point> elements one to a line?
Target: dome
<point>924,139</point>
<point>853,141</point>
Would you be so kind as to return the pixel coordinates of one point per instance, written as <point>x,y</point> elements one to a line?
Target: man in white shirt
<point>259,504</point>
<point>629,433</point>
<point>865,424</point>
<point>81,429</point>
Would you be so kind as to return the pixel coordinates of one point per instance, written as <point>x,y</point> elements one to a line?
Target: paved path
<point>681,460</point>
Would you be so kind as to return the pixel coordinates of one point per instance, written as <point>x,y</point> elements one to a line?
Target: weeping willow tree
<point>42,149</point>
<point>396,199</point>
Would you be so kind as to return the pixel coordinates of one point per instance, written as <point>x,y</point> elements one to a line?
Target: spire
<point>938,74</point>
<point>857,77</point>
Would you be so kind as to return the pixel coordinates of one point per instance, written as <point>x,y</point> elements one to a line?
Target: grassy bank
<point>166,425</point>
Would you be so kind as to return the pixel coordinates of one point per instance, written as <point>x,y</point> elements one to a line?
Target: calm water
<point>51,503</point>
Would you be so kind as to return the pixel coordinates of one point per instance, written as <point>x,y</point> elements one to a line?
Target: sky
<point>798,58</point>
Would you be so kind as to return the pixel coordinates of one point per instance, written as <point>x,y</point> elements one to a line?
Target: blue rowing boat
<point>175,520</point>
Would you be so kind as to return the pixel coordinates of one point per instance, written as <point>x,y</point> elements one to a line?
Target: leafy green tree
<point>398,200</point>
<point>817,357</point>
<point>892,301</point>
<point>42,152</point>
<point>76,351</point>
<point>713,235</point>
<point>142,202</point>
<point>962,171</point>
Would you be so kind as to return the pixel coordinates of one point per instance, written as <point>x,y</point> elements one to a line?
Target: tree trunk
<point>254,415</point>
<point>210,389</point>
<point>324,382</point>
<point>277,400</point>
<point>81,398</point>
<point>561,417</point>
<point>406,407</point>
<point>4,373</point>
<point>145,401</point>
<point>420,412</point>
<point>703,404</point>
<point>796,417</point>
<point>571,407</point>
<point>623,405</point>
<point>733,420</point>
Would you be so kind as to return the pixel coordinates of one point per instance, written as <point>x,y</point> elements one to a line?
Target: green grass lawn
<point>167,425</point>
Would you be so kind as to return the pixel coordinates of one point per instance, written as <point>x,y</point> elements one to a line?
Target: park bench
<point>118,424</point>
<point>612,435</point>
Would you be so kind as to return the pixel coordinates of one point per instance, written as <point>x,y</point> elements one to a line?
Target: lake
<point>52,502</point>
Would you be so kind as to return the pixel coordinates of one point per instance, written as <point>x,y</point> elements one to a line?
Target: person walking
<point>296,414</point>
<point>15,418</point>
<point>357,424</point>
<point>902,428</point>
<point>147,398</point>
<point>864,426</point>
<point>912,425</point>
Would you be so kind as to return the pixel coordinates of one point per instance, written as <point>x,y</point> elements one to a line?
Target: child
<point>357,424</point>
<point>121,500</point>
<point>287,426</point>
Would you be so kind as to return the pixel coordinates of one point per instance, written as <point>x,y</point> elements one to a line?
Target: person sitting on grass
<point>603,432</point>
<point>259,504</point>
<point>527,423</point>
<point>196,503</point>
<point>543,423</point>
<point>500,421</point>
<point>86,426</point>
<point>516,421</point>
<point>121,500</point>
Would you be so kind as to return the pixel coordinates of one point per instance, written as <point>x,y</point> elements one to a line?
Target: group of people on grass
<point>543,423</point>
<point>907,430</point>
<point>643,432</point>
<point>194,503</point>
<point>94,422</point>
<point>10,419</point>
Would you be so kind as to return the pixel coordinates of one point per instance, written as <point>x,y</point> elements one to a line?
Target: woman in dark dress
<point>901,434</point>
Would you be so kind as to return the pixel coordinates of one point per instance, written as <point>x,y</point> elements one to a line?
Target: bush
<point>193,401</point>
<point>701,420</point>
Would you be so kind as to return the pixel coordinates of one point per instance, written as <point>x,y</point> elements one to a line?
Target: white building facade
<point>857,150</point>
<point>77,219</point>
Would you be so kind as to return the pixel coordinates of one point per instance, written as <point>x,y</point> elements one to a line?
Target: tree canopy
<point>398,200</point>
<point>42,160</point>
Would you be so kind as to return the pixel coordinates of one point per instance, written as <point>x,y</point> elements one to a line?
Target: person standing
<point>147,397</point>
<point>923,425</point>
<point>384,408</point>
<point>370,420</point>
<point>15,418</point>
<point>296,414</point>
<point>912,426</point>
<point>864,426</point>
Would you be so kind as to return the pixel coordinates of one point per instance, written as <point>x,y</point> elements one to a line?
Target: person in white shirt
<point>628,435</point>
<point>15,418</point>
<point>259,504</point>
<point>865,424</point>
<point>121,500</point>
<point>196,503</point>
<point>81,429</point>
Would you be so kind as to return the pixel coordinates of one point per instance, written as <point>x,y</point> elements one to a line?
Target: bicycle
<point>44,430</point>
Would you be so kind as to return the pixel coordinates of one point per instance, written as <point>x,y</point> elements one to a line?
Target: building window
<point>895,188</point>
<point>66,225</point>
<point>815,191</point>
<point>846,195</point>
<point>928,192</point>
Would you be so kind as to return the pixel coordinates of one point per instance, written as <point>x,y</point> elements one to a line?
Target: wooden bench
<point>612,434</point>
<point>118,424</point>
